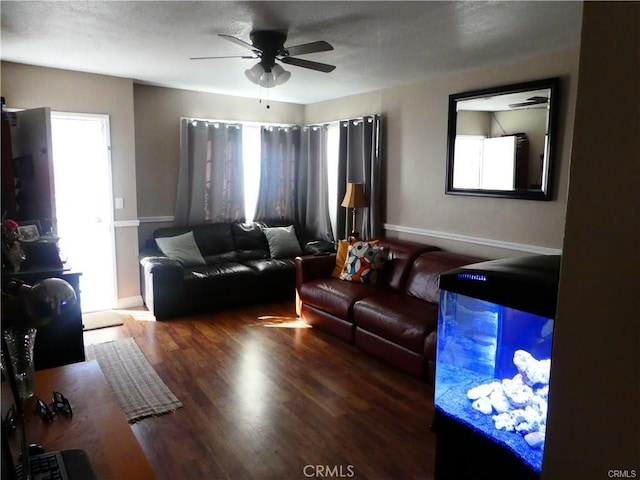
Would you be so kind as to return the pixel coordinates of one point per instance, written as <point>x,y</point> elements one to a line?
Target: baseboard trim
<point>126,223</point>
<point>488,242</point>
<point>159,219</point>
<point>130,302</point>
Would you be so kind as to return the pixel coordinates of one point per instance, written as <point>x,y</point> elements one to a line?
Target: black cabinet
<point>61,341</point>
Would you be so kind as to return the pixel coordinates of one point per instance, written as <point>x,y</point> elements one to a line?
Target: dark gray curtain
<point>280,154</point>
<point>313,195</point>
<point>359,162</point>
<point>210,177</point>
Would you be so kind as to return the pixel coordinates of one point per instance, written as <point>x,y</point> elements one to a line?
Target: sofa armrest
<point>153,264</point>
<point>161,281</point>
<point>310,267</point>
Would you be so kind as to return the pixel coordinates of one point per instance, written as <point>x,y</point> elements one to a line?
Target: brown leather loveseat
<point>394,320</point>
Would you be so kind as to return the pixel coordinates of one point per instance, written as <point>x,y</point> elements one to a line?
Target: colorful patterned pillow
<point>341,254</point>
<point>364,261</point>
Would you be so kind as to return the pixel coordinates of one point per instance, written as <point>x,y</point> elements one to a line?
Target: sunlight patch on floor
<point>283,322</point>
<point>139,315</point>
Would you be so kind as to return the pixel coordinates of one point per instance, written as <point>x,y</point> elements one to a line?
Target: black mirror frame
<point>545,192</point>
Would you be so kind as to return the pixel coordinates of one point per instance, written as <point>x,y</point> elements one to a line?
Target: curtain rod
<point>243,122</point>
<point>362,117</point>
<point>288,125</point>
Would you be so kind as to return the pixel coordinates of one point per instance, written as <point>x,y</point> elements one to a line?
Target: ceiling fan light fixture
<point>277,76</point>
<point>280,75</point>
<point>255,73</point>
<point>267,80</point>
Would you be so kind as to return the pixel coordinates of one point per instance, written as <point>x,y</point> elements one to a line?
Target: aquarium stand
<point>462,453</point>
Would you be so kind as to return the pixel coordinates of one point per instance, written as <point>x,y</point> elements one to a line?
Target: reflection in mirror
<point>500,140</point>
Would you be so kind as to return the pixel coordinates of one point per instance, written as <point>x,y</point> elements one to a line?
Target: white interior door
<point>84,203</point>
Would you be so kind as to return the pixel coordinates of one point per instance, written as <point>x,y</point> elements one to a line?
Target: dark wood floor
<point>269,402</point>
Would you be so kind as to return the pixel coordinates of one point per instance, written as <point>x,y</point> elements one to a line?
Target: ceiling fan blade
<point>305,48</point>
<point>298,62</point>
<point>237,41</point>
<point>227,56</point>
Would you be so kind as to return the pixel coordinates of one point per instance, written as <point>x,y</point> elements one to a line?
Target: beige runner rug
<point>107,318</point>
<point>138,388</point>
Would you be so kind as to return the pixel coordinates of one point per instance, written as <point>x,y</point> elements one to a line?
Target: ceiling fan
<point>531,101</point>
<point>268,46</point>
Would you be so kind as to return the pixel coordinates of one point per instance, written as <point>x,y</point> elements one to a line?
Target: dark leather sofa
<point>238,270</point>
<point>394,320</point>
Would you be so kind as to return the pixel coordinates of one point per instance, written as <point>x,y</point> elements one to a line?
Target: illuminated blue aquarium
<point>495,332</point>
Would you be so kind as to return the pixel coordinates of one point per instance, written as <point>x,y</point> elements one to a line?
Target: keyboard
<point>70,464</point>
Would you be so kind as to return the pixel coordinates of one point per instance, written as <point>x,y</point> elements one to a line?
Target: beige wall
<point>414,123</point>
<point>593,428</point>
<point>25,86</point>
<point>158,112</point>
<point>414,151</point>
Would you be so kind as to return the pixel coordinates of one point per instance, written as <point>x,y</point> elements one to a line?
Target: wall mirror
<point>500,140</point>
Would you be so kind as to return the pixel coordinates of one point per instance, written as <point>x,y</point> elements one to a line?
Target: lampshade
<point>280,74</point>
<point>255,73</point>
<point>354,197</point>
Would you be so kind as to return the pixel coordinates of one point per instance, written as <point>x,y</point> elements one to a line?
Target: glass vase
<point>20,342</point>
<point>14,256</point>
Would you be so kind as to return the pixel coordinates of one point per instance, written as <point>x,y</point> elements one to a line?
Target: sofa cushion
<point>271,265</point>
<point>250,241</point>
<point>182,248</point>
<point>400,258</point>
<point>214,239</point>
<point>334,296</point>
<point>424,277</point>
<point>283,242</point>
<point>402,320</point>
<point>211,279</point>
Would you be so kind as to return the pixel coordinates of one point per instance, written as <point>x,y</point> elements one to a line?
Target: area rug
<point>137,386</point>
<point>94,320</point>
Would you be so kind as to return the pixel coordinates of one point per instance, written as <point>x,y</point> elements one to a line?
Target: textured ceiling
<point>377,44</point>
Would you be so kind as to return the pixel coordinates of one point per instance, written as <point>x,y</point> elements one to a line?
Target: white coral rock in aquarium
<point>519,408</point>
<point>483,390</point>
<point>483,405</point>
<point>533,371</point>
<point>504,421</point>
<point>519,394</point>
<point>535,439</point>
<point>499,400</point>
<point>543,392</point>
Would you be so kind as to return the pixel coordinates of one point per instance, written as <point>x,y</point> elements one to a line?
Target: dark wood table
<point>98,424</point>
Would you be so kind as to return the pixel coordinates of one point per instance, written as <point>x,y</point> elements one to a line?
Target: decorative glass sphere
<point>50,298</point>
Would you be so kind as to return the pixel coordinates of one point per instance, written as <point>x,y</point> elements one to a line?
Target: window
<point>251,164</point>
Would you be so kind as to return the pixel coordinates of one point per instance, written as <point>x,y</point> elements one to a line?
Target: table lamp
<point>354,198</point>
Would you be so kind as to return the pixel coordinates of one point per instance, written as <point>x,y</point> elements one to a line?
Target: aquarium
<point>493,359</point>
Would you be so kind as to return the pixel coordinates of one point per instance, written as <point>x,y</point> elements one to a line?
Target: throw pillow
<point>341,254</point>
<point>182,248</point>
<point>283,242</point>
<point>341,258</point>
<point>364,261</point>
